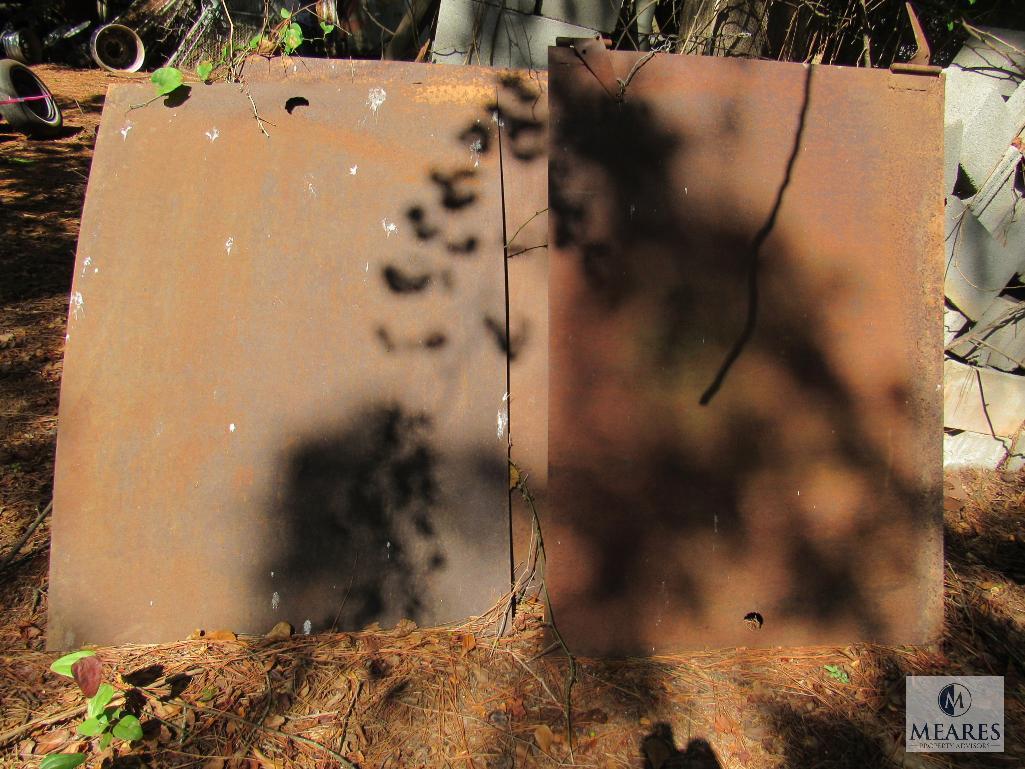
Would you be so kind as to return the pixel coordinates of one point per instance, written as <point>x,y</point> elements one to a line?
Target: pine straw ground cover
<point>449,697</point>
<point>460,697</point>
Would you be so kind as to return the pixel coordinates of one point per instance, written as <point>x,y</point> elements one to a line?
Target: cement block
<point>968,449</point>
<point>964,93</point>
<point>996,340</point>
<point>986,136</point>
<point>952,138</point>
<point>996,205</point>
<point>601,15</point>
<point>982,400</point>
<point>953,323</point>
<point>997,57</point>
<point>979,266</point>
<point>477,32</point>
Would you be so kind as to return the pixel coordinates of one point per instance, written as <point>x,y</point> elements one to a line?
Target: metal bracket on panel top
<point>593,52</point>
<point>919,63</point>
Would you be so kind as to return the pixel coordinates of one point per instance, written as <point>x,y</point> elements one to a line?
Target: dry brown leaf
<point>214,763</point>
<point>468,641</point>
<point>521,753</point>
<point>514,476</point>
<point>404,628</point>
<point>544,737</point>
<point>88,673</point>
<point>280,632</point>
<point>212,635</point>
<point>52,741</point>
<point>274,722</point>
<point>516,709</point>
<point>221,635</point>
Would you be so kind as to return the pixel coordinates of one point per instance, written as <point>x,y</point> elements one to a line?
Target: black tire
<point>36,118</point>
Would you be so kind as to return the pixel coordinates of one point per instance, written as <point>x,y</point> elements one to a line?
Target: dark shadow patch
<point>401,282</point>
<point>465,247</point>
<point>357,511</point>
<point>296,101</point>
<point>478,136</point>
<point>178,96</point>
<point>435,341</point>
<point>453,195</point>
<point>509,344</point>
<point>659,751</point>
<point>385,338</point>
<point>418,218</point>
<point>144,676</point>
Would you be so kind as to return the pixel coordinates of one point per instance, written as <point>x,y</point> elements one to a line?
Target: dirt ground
<point>452,697</point>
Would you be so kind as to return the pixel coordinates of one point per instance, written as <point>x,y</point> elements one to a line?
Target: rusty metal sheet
<point>285,359</point>
<point>523,125</point>
<point>745,354</point>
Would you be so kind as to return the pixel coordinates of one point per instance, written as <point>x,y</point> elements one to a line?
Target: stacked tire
<point>38,117</point>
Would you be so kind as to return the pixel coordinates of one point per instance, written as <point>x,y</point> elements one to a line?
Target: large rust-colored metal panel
<point>746,354</point>
<point>284,360</point>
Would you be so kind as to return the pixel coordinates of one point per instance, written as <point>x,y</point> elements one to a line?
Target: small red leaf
<point>88,673</point>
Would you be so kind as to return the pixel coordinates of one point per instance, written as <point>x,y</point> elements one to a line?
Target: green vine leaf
<point>62,667</point>
<point>286,14</point>
<point>255,42</point>
<point>99,701</point>
<point>90,727</point>
<point>204,69</point>
<point>105,739</point>
<point>328,28</point>
<point>292,38</point>
<point>62,761</point>
<point>837,673</point>
<point>166,79</point>
<point>128,729</point>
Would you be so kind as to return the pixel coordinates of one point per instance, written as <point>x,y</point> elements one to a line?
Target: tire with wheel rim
<point>40,117</point>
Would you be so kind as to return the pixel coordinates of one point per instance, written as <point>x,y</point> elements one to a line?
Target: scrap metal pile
<point>128,35</point>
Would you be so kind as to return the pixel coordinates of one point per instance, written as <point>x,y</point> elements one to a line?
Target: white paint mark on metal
<point>275,601</point>
<point>503,415</point>
<point>375,98</point>
<point>307,627</point>
<point>212,134</point>
<point>125,130</point>
<point>353,170</point>
<point>228,244</point>
<point>389,227</point>
<point>231,427</point>
<point>476,147</point>
<point>77,304</point>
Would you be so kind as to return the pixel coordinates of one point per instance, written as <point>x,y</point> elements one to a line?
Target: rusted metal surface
<point>745,355</point>
<point>523,115</point>
<point>285,360</point>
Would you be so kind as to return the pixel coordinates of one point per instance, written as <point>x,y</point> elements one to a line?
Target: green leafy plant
<point>104,720</point>
<point>286,36</point>
<point>837,673</point>
<point>166,80</point>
